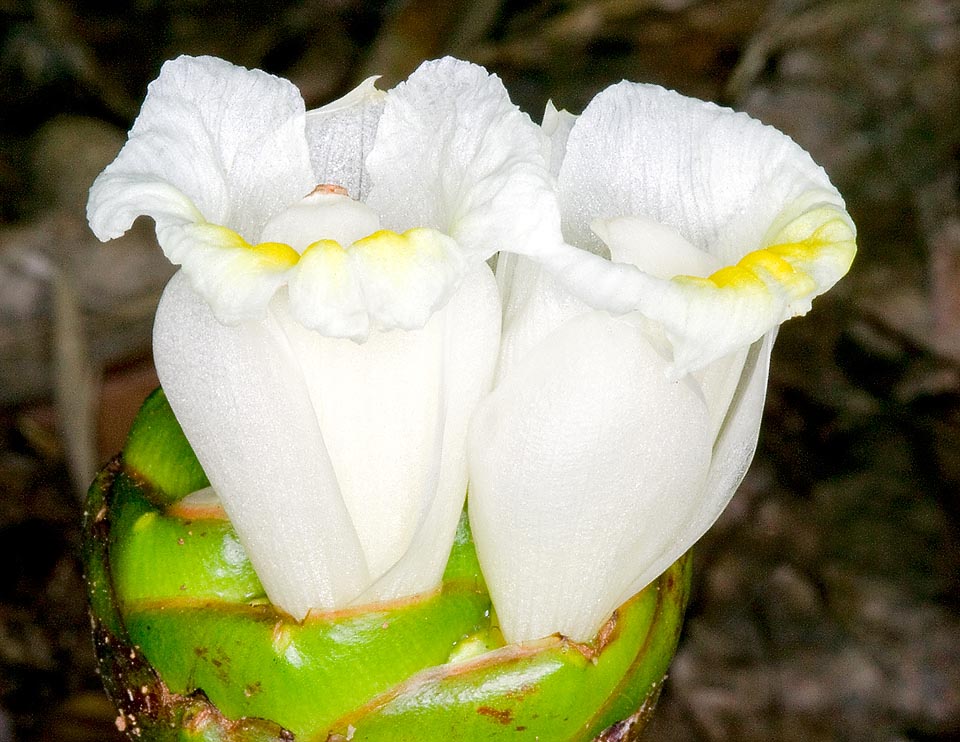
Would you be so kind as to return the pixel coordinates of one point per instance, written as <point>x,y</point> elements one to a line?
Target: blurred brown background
<point>826,603</point>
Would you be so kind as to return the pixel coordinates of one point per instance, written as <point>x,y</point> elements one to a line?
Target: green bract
<point>190,648</point>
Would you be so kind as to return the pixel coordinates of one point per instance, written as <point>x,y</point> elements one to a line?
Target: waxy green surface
<point>191,649</point>
<point>158,453</point>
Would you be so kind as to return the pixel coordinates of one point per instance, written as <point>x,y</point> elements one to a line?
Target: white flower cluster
<point>345,363</point>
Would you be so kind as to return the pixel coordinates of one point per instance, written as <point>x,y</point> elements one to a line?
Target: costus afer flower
<point>345,366</point>
<point>623,436</point>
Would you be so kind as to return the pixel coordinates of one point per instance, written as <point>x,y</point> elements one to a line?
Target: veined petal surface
<point>340,135</point>
<point>718,177</point>
<point>734,188</point>
<point>226,140</point>
<point>453,153</point>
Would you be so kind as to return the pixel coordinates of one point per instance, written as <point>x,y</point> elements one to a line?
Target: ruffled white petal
<point>237,279</point>
<point>325,293</point>
<point>732,187</point>
<point>244,406</point>
<point>340,135</point>
<point>582,464</point>
<point>226,141</point>
<point>383,281</point>
<point>407,277</point>
<point>116,201</point>
<point>718,177</point>
<point>706,318</point>
<point>453,153</point>
<point>216,151</point>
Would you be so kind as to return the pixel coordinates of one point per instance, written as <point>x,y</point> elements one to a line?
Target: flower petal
<point>719,381</point>
<point>708,318</point>
<point>244,406</point>
<point>556,128</point>
<point>378,408</point>
<point>237,279</point>
<point>382,281</point>
<point>582,464</point>
<point>212,139</point>
<point>737,440</point>
<point>393,413</point>
<point>407,277</point>
<point>471,332</point>
<point>340,135</point>
<point>732,453</point>
<point>453,153</point>
<point>654,248</point>
<point>734,188</point>
<point>534,305</point>
<point>718,177</point>
<point>325,293</point>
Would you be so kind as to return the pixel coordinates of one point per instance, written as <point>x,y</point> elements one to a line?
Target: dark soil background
<point>826,604</point>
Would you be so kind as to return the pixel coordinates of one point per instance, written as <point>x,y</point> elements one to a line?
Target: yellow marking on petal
<point>332,260</point>
<point>424,240</point>
<point>815,248</point>
<point>832,231</point>
<point>223,236</point>
<point>277,255</point>
<point>833,241</point>
<point>735,277</point>
<point>768,263</point>
<point>399,249</point>
<point>731,276</point>
<point>764,260</point>
<point>382,241</point>
<point>331,249</point>
<point>274,256</point>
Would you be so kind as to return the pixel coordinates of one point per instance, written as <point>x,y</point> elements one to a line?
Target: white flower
<point>331,341</point>
<point>611,443</point>
<point>342,465</point>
